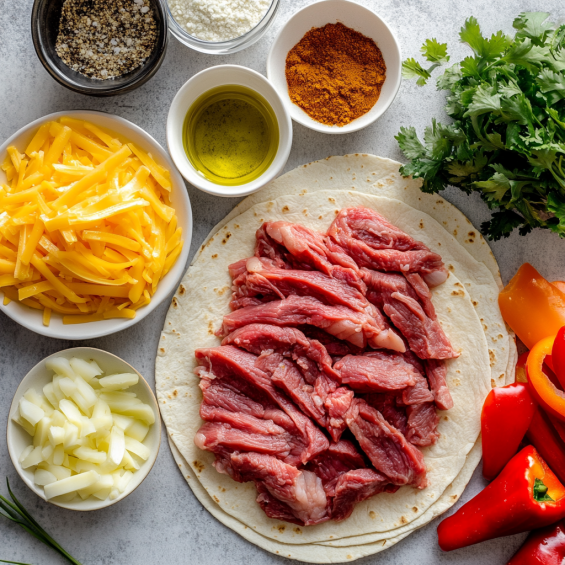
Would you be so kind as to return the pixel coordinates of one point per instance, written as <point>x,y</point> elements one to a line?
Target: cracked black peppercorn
<point>104,39</point>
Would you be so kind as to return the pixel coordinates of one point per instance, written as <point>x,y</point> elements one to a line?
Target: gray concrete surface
<point>162,522</point>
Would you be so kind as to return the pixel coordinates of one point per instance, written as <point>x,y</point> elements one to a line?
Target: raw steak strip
<point>417,394</point>
<point>228,361</point>
<point>422,424</point>
<point>310,381</point>
<point>301,491</point>
<point>386,447</point>
<point>222,438</point>
<point>375,243</point>
<point>387,405</point>
<point>310,355</point>
<point>354,487</point>
<point>340,321</point>
<point>436,372</point>
<point>376,372</point>
<point>261,282</point>
<point>260,278</point>
<point>292,246</point>
<point>241,414</point>
<point>346,479</point>
<point>335,347</point>
<point>393,293</point>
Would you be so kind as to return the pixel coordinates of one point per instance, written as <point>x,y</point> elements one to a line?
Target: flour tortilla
<point>197,312</point>
<point>325,552</point>
<point>370,174</point>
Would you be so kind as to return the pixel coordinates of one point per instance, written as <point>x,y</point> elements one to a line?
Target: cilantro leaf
<point>435,52</point>
<point>471,34</point>
<point>449,78</point>
<point>527,55</point>
<point>412,69</point>
<point>556,205</point>
<point>410,144</point>
<point>485,49</point>
<point>533,25</point>
<point>483,101</point>
<point>502,224</point>
<point>550,81</point>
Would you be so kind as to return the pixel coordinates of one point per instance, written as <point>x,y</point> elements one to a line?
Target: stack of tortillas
<point>467,308</point>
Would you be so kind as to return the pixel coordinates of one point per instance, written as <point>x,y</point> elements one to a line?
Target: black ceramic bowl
<point>44,28</point>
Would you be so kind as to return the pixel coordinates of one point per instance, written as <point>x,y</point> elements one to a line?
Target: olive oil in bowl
<point>231,135</point>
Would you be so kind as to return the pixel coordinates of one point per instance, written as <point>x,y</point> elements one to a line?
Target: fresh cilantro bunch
<point>507,139</point>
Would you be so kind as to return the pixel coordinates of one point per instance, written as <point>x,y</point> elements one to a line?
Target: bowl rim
<point>300,116</point>
<point>237,190</point>
<point>182,259</point>
<point>11,423</point>
<point>109,90</point>
<point>229,45</point>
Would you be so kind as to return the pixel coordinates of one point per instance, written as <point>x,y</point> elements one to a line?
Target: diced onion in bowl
<point>87,431</point>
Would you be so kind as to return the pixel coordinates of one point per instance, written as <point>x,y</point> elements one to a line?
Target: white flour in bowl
<point>218,20</point>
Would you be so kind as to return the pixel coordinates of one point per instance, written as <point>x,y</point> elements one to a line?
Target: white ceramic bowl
<point>203,82</point>
<point>38,377</point>
<point>32,319</point>
<point>352,15</point>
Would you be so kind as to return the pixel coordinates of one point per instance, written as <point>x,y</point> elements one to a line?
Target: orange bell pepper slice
<point>560,285</point>
<point>544,391</point>
<point>533,307</point>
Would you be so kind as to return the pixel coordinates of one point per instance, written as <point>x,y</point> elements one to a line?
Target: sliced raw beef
<point>310,355</point>
<point>346,479</point>
<point>422,424</point>
<point>356,486</point>
<point>261,279</point>
<point>239,417</point>
<point>227,362</point>
<point>375,243</point>
<point>292,246</point>
<point>222,438</point>
<point>417,394</point>
<point>400,302</point>
<point>336,348</point>
<point>301,491</point>
<point>436,372</point>
<point>340,321</point>
<point>386,447</point>
<point>376,372</point>
<point>339,458</point>
<point>309,381</point>
<point>387,405</point>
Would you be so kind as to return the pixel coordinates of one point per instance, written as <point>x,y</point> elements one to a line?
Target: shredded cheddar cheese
<point>87,229</point>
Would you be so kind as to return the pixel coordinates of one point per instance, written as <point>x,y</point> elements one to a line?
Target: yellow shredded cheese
<point>87,229</point>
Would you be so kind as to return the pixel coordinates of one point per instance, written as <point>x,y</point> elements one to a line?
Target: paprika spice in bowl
<point>337,66</point>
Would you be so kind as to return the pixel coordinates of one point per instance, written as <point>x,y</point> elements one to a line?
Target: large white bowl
<point>18,439</point>
<point>32,319</point>
<point>193,89</point>
<point>352,15</point>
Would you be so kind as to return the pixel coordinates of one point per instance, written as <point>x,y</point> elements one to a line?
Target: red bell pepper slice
<point>542,547</point>
<point>558,356</point>
<point>526,495</point>
<point>505,419</point>
<point>545,438</point>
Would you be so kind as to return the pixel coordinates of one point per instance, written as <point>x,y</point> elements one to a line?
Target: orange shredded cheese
<point>87,229</point>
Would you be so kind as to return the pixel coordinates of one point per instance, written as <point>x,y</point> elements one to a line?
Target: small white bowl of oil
<point>228,131</point>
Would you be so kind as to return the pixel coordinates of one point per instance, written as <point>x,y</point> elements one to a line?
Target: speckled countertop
<point>162,522</point>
